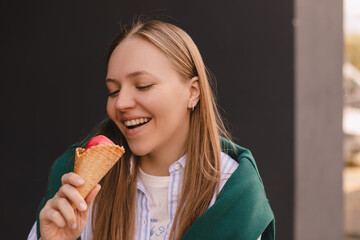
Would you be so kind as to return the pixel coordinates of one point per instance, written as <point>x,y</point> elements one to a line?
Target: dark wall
<point>53,92</point>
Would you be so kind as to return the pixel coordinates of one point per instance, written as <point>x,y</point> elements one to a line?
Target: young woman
<point>180,178</point>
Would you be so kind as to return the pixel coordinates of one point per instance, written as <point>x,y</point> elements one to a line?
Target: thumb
<point>92,194</point>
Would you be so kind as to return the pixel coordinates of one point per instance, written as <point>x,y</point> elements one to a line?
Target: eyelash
<point>113,93</point>
<point>142,88</point>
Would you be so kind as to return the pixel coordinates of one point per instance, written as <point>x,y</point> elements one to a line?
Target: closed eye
<point>143,88</point>
<point>113,93</point>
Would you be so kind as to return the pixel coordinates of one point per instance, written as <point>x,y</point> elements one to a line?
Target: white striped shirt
<point>142,228</point>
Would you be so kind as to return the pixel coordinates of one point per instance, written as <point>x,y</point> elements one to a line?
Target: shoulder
<point>244,173</point>
<point>228,164</point>
<point>243,156</point>
<point>241,204</point>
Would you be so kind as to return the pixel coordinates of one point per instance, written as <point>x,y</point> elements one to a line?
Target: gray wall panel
<point>318,117</point>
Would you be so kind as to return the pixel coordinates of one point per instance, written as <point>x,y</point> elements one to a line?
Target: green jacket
<point>241,210</point>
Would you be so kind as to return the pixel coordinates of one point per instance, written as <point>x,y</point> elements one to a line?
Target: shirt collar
<point>179,164</point>
<point>181,161</point>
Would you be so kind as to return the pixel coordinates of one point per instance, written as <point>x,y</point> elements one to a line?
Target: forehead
<point>136,54</point>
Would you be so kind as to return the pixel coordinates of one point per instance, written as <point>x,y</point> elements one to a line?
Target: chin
<point>138,150</point>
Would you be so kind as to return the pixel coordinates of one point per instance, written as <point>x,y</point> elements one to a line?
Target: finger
<point>73,195</point>
<point>54,216</point>
<point>72,178</point>
<point>92,194</point>
<point>64,207</point>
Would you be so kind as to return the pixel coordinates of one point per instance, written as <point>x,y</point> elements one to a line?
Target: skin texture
<point>160,95</point>
<point>58,220</point>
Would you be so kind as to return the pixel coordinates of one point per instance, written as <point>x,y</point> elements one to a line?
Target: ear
<point>194,92</point>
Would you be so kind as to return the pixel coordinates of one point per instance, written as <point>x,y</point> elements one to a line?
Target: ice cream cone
<point>92,164</point>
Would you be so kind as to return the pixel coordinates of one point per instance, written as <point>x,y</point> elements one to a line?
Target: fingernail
<point>82,206</point>
<point>73,226</point>
<point>80,181</point>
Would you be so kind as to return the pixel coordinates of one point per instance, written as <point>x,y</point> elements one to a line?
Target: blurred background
<point>351,118</point>
<point>288,84</point>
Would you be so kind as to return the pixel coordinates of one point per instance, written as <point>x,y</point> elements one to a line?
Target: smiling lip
<point>135,131</point>
<point>126,118</point>
<point>135,121</point>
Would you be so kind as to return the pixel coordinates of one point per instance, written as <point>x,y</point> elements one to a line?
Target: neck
<point>158,162</point>
<point>158,165</point>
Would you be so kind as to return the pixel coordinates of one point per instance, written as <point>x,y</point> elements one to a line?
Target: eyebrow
<point>130,75</point>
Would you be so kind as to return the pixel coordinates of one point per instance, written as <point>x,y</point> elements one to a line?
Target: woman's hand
<point>58,219</point>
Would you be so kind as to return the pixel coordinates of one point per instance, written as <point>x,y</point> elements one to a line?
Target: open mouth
<point>131,124</point>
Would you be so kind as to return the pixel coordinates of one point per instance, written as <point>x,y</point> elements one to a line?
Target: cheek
<point>172,107</point>
<point>110,109</point>
<point>153,103</point>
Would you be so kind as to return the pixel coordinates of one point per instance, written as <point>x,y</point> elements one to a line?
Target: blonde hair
<point>114,215</point>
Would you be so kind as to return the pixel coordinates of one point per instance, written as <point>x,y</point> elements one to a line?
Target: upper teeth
<point>134,122</point>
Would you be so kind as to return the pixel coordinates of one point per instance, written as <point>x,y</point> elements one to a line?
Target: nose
<point>125,100</point>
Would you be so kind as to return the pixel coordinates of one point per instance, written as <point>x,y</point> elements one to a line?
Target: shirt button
<point>177,166</point>
<point>175,193</point>
<point>144,222</point>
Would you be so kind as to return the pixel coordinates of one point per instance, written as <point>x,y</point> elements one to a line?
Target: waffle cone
<point>92,164</point>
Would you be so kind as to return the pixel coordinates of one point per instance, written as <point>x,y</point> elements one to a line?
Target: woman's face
<point>148,100</point>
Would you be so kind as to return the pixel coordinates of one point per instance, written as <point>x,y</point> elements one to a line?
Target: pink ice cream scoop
<point>99,140</point>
